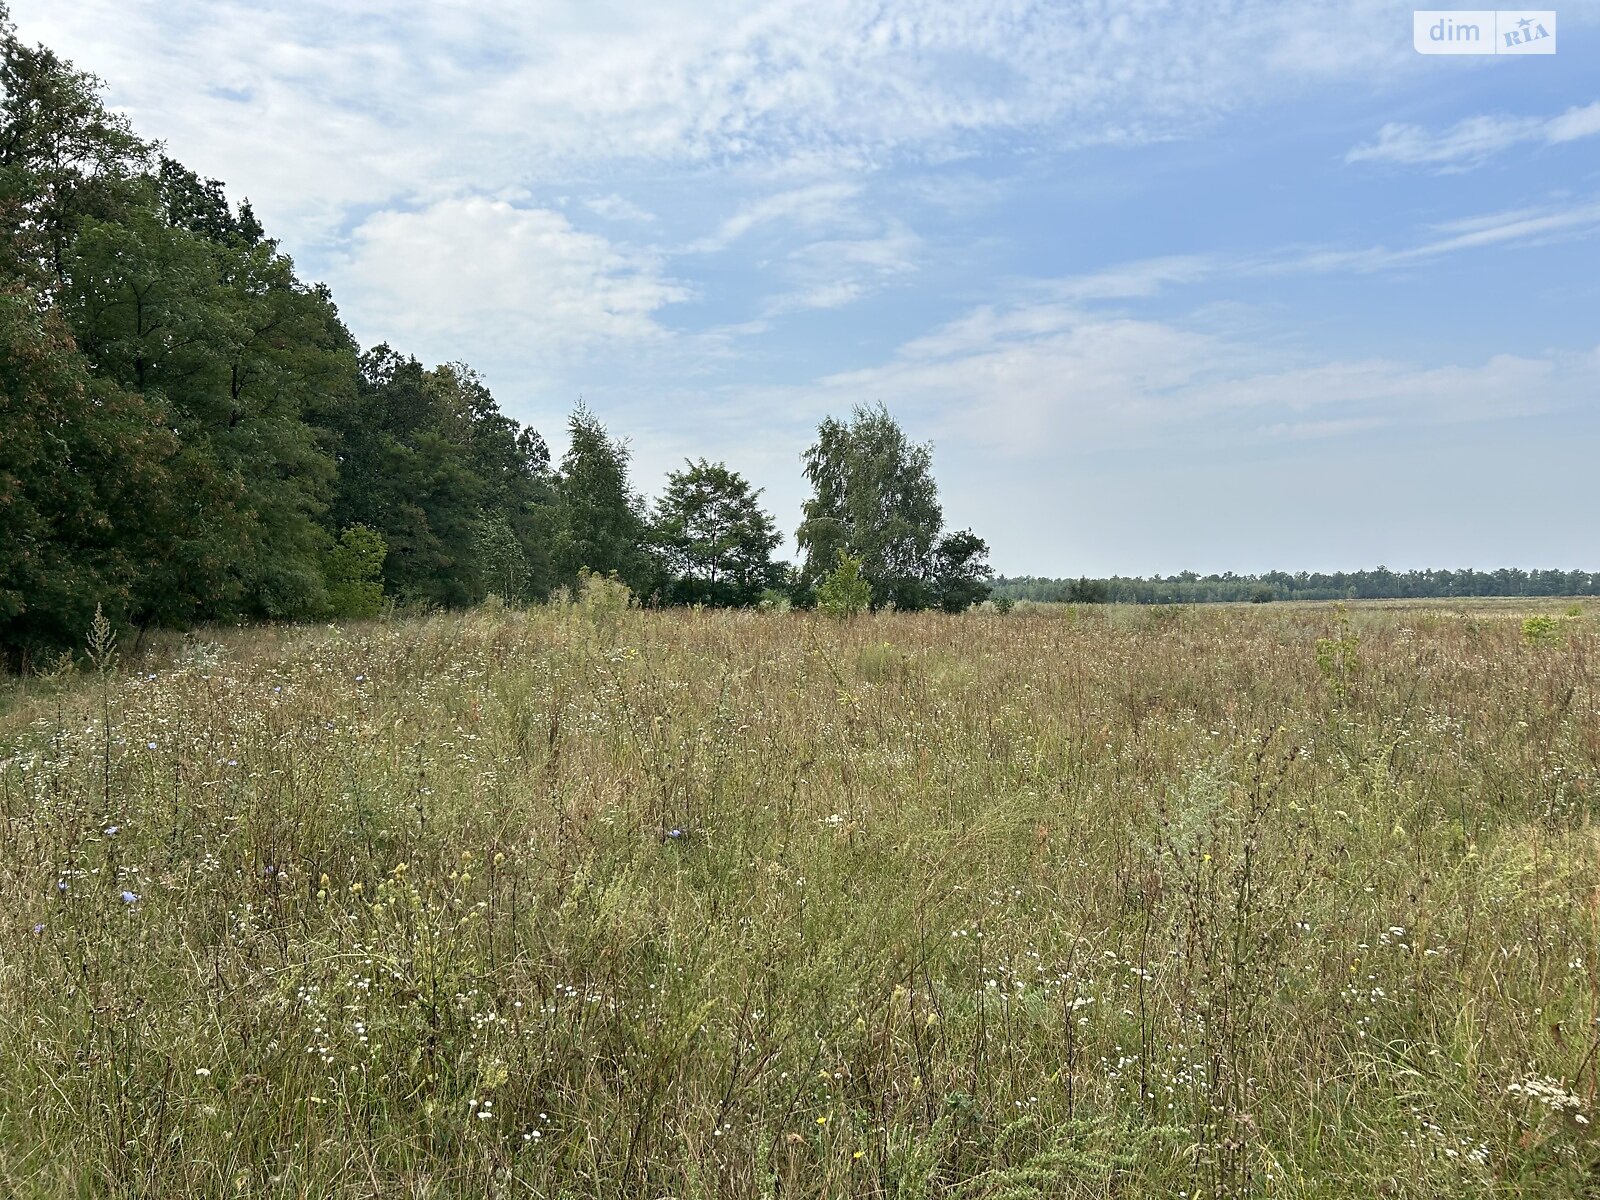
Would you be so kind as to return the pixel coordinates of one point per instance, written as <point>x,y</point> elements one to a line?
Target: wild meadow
<point>589,901</point>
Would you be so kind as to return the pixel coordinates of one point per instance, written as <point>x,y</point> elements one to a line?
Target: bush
<point>353,571</point>
<point>603,598</point>
<point>1541,631</point>
<point>844,593</point>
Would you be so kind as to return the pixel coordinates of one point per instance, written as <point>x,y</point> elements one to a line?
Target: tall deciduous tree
<point>716,539</point>
<point>63,157</point>
<point>874,498</point>
<point>353,567</point>
<point>461,494</point>
<point>234,350</point>
<point>405,470</point>
<point>84,485</point>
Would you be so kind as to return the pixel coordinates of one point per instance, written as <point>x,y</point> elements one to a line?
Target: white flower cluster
<point>1551,1093</point>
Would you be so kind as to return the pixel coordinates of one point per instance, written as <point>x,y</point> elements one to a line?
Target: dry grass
<point>588,902</point>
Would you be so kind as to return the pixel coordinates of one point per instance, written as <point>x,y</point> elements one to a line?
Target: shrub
<point>1337,657</point>
<point>353,571</point>
<point>882,663</point>
<point>603,597</point>
<point>844,593</point>
<point>1541,631</point>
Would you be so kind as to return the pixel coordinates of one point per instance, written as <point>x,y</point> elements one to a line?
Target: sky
<point>1168,285</point>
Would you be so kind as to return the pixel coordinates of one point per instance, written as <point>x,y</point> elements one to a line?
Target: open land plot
<point>592,902</point>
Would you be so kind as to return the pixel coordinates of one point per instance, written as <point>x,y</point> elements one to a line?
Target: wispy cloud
<point>1038,381</point>
<point>833,272</point>
<point>1145,278</point>
<point>618,208</point>
<point>1474,140</point>
<point>1522,227</point>
<point>365,103</point>
<point>813,206</point>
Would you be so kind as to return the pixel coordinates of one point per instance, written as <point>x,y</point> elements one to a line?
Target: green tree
<point>513,466</point>
<point>874,497</point>
<point>845,591</point>
<point>502,562</point>
<point>405,460</point>
<point>234,350</point>
<point>83,484</point>
<point>64,157</point>
<point>462,494</point>
<point>353,569</point>
<point>201,206</point>
<point>715,538</point>
<point>599,521</point>
<point>961,571</point>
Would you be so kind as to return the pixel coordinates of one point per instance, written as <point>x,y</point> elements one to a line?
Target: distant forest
<point>1377,584</point>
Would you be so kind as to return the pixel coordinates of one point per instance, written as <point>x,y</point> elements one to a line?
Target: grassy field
<point>1287,901</point>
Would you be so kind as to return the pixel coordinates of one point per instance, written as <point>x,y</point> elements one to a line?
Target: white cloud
<point>1573,124</point>
<point>1522,228</point>
<point>488,281</point>
<point>1145,277</point>
<point>1473,140</point>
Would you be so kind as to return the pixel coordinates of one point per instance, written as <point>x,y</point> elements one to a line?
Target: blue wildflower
<point>130,897</point>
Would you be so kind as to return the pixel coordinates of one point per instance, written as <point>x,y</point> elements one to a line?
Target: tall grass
<point>590,902</point>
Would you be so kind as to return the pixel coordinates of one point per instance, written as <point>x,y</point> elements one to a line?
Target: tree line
<point>1379,583</point>
<point>192,434</point>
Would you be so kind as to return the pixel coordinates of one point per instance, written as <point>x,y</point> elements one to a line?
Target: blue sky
<point>1168,285</point>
